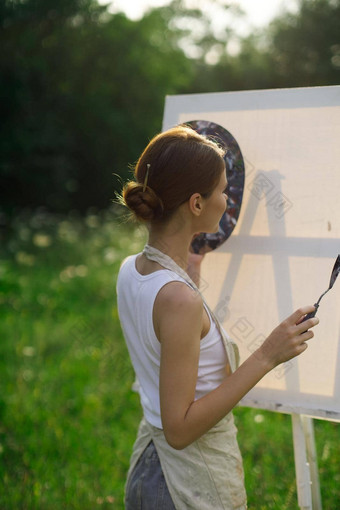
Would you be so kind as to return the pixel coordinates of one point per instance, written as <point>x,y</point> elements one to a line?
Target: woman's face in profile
<point>215,206</point>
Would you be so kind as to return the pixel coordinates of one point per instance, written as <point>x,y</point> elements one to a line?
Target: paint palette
<point>234,163</point>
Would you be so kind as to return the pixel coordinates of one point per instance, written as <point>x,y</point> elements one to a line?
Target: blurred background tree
<point>83,90</point>
<point>299,49</point>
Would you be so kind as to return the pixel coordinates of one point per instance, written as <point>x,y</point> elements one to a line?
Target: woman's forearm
<point>207,411</point>
<point>285,342</point>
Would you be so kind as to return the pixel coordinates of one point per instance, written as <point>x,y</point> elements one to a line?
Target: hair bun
<point>145,205</point>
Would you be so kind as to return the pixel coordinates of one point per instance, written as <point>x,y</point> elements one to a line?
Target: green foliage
<point>83,90</point>
<point>68,416</point>
<point>296,50</point>
<point>305,47</point>
<point>83,93</point>
<point>266,443</point>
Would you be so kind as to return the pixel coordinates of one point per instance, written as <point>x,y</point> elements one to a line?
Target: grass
<point>68,417</point>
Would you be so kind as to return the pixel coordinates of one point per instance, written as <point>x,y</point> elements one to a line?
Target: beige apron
<point>207,474</point>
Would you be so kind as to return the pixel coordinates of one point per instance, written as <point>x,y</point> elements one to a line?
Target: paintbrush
<point>334,275</point>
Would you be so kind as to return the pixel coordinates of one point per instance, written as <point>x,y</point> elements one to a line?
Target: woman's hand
<point>289,338</point>
<point>194,267</point>
<point>195,259</point>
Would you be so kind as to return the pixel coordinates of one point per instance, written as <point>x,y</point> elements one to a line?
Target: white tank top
<point>136,296</point>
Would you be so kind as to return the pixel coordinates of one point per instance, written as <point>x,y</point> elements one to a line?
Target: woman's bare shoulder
<point>177,294</point>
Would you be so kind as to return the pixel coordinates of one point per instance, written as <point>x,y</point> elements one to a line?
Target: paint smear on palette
<point>234,163</point>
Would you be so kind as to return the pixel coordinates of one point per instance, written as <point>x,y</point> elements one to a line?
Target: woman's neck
<point>173,240</point>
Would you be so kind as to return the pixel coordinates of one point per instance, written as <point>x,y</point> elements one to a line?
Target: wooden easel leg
<point>308,428</point>
<point>303,480</point>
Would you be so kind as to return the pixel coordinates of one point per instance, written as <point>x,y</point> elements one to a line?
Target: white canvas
<point>282,250</point>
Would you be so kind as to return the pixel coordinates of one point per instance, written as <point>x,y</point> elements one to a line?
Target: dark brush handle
<point>310,315</point>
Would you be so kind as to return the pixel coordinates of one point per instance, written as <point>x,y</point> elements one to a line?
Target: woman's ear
<point>196,204</point>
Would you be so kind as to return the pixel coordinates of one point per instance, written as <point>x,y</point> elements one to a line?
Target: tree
<point>305,47</point>
<point>84,90</point>
<point>297,49</point>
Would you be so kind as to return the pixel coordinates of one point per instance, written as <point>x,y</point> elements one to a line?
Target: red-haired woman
<point>186,454</point>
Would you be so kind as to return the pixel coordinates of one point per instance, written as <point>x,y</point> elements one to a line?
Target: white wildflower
<point>42,240</point>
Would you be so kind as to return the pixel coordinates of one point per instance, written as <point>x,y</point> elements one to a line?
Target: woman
<point>186,453</point>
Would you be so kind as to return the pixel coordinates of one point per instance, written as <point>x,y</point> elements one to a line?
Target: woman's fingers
<point>303,327</point>
<point>302,347</point>
<point>289,338</point>
<point>300,313</point>
<point>305,335</point>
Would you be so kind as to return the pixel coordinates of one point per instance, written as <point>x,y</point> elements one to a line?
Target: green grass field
<point>68,416</point>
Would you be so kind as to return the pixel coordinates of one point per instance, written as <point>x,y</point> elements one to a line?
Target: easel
<point>186,108</point>
<point>306,468</point>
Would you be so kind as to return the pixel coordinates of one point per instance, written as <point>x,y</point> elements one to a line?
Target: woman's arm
<point>178,315</point>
